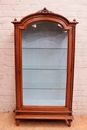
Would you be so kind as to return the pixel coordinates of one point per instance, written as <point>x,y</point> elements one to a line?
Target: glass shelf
<point>43,48</point>
<point>45,88</point>
<point>41,69</point>
<point>43,85</point>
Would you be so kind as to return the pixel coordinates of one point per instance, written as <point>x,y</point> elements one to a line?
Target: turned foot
<point>17,122</point>
<point>69,122</point>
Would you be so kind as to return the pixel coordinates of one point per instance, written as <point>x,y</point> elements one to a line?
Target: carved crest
<point>44,11</point>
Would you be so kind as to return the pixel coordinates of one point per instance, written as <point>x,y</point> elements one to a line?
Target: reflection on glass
<point>44,64</point>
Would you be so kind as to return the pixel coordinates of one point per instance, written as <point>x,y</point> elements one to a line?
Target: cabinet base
<point>67,118</point>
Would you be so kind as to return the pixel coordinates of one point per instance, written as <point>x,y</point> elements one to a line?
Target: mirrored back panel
<point>44,64</point>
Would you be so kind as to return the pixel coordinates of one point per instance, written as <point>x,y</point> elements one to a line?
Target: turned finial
<point>15,20</point>
<point>74,20</point>
<point>44,11</point>
<point>44,8</point>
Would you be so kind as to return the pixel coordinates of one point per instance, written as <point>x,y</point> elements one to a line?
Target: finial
<point>74,20</point>
<point>15,20</point>
<point>44,11</point>
<point>44,8</point>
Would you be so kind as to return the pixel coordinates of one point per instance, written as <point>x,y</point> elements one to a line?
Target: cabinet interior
<point>44,64</point>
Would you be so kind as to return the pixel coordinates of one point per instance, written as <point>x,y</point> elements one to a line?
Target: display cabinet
<point>44,66</point>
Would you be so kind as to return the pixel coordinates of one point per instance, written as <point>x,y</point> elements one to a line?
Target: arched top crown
<point>44,14</point>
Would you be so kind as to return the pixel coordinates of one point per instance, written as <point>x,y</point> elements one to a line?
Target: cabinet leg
<point>69,123</point>
<point>17,122</point>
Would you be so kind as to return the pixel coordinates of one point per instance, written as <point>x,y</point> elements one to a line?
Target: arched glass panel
<point>44,64</point>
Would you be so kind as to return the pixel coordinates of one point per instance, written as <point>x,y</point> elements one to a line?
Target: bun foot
<point>17,122</point>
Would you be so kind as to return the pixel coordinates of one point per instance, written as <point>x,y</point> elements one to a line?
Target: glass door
<point>44,64</point>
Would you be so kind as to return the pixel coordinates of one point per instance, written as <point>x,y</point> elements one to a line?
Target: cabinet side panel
<point>17,69</point>
<point>69,71</point>
<point>73,58</point>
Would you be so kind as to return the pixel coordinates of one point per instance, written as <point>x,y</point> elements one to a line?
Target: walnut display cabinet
<point>44,66</point>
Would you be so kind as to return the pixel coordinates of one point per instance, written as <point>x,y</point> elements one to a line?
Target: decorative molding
<point>42,113</point>
<point>44,11</point>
